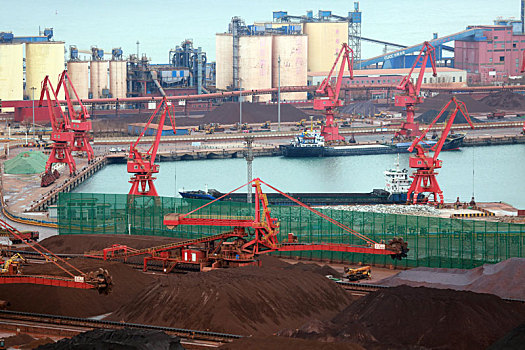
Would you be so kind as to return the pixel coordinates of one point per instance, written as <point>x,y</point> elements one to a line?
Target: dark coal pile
<point>429,116</point>
<point>323,270</point>
<point>79,244</point>
<point>228,113</point>
<point>514,340</point>
<point>505,100</point>
<point>104,339</point>
<point>250,300</point>
<point>406,317</point>
<point>17,340</point>
<point>366,108</point>
<point>274,343</point>
<point>127,283</point>
<point>505,279</point>
<point>439,101</point>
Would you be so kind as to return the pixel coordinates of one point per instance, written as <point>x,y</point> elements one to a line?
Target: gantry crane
<point>425,177</point>
<point>330,130</point>
<point>80,122</point>
<point>61,135</point>
<point>142,165</point>
<point>250,237</point>
<point>410,96</point>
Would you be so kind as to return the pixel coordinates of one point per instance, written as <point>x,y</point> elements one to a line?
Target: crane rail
<point>47,319</point>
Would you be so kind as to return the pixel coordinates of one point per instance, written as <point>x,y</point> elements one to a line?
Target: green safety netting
<point>433,242</point>
<point>30,162</point>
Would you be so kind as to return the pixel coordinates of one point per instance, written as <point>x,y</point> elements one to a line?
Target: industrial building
<point>494,59</point>
<point>446,76</point>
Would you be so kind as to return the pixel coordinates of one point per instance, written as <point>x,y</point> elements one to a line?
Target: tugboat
<point>395,192</point>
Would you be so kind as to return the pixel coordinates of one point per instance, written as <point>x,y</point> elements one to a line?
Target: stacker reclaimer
<point>250,237</point>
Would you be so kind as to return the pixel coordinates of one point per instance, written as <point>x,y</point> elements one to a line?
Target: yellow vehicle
<point>11,266</point>
<point>356,274</point>
<point>267,124</point>
<point>301,123</point>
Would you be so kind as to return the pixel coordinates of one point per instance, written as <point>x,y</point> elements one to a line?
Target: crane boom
<point>142,166</point>
<point>330,130</point>
<point>410,96</point>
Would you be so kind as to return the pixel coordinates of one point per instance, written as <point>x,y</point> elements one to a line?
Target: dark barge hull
<point>377,196</point>
<point>452,143</point>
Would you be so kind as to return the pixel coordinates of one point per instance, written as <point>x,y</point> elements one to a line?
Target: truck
<point>356,274</point>
<point>496,115</point>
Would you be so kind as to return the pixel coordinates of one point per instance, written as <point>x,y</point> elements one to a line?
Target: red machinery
<point>252,235</point>
<point>410,96</point>
<point>79,122</point>
<point>424,176</point>
<point>99,280</point>
<point>61,135</point>
<point>330,130</point>
<point>143,165</point>
<point>522,70</point>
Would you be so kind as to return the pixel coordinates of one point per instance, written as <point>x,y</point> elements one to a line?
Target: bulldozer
<point>356,274</point>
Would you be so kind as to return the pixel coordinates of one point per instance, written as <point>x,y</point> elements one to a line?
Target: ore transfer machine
<point>248,237</point>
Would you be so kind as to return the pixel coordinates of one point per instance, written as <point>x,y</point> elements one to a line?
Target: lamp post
<point>33,93</point>
<point>279,93</point>
<point>240,105</point>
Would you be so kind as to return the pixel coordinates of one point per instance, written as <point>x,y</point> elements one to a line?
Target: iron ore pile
<point>283,306</point>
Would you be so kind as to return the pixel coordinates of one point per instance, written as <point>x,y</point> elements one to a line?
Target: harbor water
<point>493,174</point>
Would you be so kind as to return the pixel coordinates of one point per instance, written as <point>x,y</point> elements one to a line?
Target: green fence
<point>433,242</point>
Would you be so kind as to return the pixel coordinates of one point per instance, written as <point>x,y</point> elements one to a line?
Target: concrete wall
<point>117,78</point>
<point>255,65</point>
<point>78,72</point>
<point>12,74</point>
<point>224,59</point>
<point>43,59</point>
<point>99,77</point>
<point>324,42</point>
<point>293,51</point>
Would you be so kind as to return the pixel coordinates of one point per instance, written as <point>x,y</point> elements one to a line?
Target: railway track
<point>65,326</point>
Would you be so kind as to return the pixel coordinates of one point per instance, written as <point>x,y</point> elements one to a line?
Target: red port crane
<point>425,176</point>
<point>522,70</point>
<point>330,130</point>
<point>142,165</point>
<point>410,96</point>
<point>61,135</point>
<point>80,121</point>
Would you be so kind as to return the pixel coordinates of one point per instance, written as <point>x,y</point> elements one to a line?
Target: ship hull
<point>315,199</point>
<point>452,143</point>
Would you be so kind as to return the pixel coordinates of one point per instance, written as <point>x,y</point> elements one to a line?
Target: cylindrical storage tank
<point>44,58</point>
<point>224,61</point>
<point>78,72</point>
<point>324,42</point>
<point>12,73</point>
<point>99,77</point>
<point>293,51</point>
<point>255,65</point>
<point>118,75</point>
